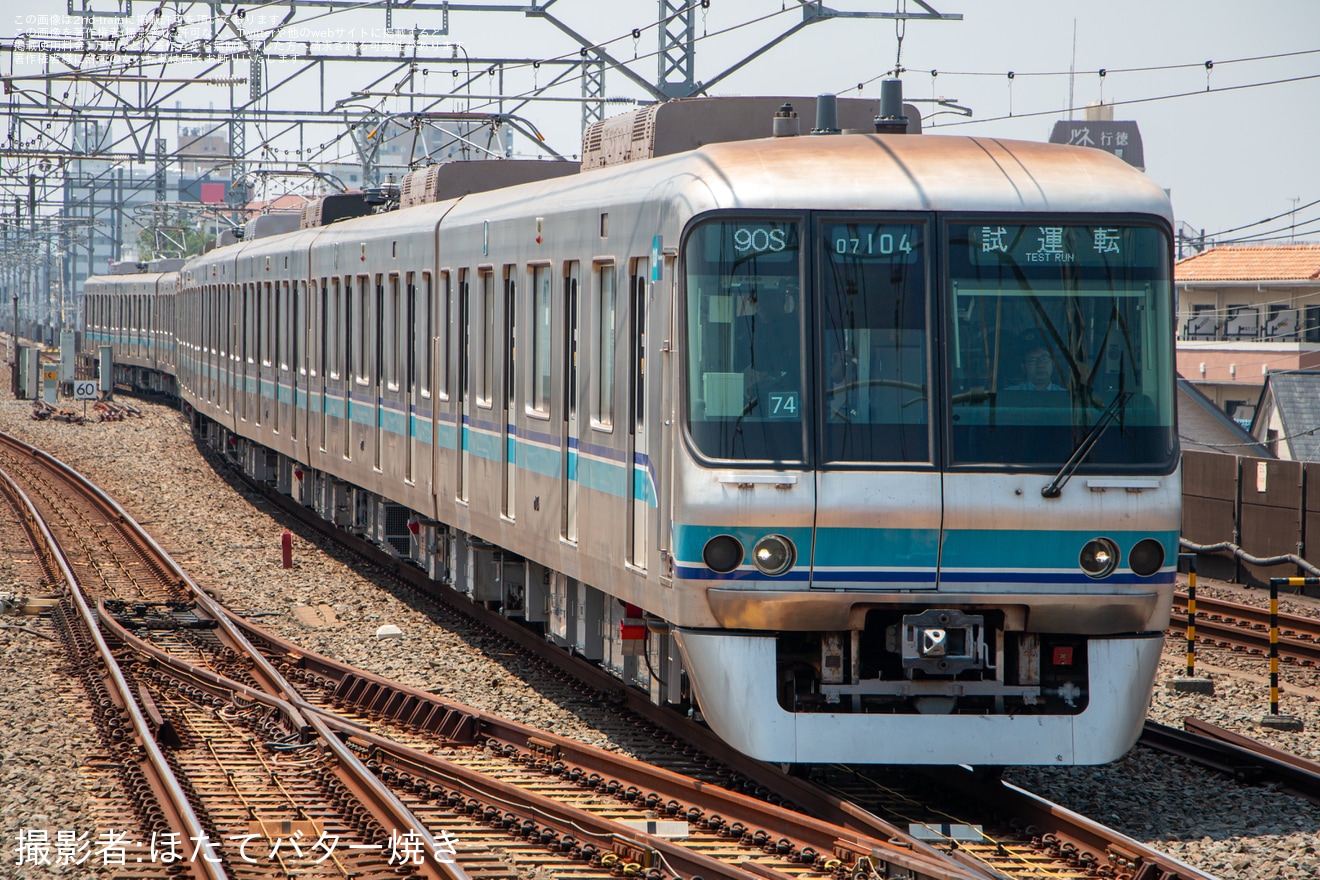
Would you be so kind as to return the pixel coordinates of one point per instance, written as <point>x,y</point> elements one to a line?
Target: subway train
<point>860,446</point>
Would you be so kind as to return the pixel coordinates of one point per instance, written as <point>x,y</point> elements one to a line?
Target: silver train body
<point>568,399</point>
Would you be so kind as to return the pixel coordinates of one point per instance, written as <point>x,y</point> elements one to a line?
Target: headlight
<point>722,553</point>
<point>1099,557</point>
<point>774,555</point>
<point>1146,557</point>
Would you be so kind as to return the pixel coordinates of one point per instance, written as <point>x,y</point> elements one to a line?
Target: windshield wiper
<point>1055,488</point>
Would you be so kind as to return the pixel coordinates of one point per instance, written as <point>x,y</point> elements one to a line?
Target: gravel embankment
<point>229,542</point>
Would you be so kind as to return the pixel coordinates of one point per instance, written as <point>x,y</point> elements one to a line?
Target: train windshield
<point>745,340</point>
<point>1059,340</point>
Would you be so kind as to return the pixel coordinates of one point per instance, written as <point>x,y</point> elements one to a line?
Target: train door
<point>265,352</point>
<point>568,441</point>
<point>439,373</point>
<point>299,333</point>
<point>279,325</point>
<point>637,461</point>
<point>325,316</point>
<point>229,331</point>
<point>416,337</point>
<point>381,381</point>
<point>245,356</point>
<point>662,330</point>
<point>463,404</point>
<point>508,406</point>
<point>346,336</point>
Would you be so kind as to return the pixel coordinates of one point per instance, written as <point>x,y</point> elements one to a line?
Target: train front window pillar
<point>745,340</point>
<point>1053,328</point>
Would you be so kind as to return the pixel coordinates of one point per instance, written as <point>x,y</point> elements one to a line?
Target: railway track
<point>516,798</point>
<point>210,795</point>
<point>103,700</point>
<point>999,830</point>
<point>1236,755</point>
<point>1240,627</point>
<point>231,722</point>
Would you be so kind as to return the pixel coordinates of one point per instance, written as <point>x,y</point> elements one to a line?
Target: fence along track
<point>378,810</point>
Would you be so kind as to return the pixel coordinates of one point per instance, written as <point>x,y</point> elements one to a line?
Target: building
<point>1288,416</point>
<point>204,150</point>
<point>1244,312</point>
<point>1204,427</point>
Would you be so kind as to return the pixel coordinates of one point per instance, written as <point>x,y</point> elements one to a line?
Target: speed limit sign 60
<point>85,391</point>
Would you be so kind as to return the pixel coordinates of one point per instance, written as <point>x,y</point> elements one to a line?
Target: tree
<point>163,242</point>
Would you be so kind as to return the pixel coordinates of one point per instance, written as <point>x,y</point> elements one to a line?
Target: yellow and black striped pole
<point>1274,646</point>
<point>1189,683</point>
<point>1191,615</point>
<point>1274,719</point>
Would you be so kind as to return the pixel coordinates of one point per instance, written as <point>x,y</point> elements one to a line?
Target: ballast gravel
<point>228,541</point>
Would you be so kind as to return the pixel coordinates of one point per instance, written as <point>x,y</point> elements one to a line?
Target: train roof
<point>844,172</point>
<point>917,173</point>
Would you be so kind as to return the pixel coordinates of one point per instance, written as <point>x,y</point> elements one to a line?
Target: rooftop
<point>1204,427</point>
<point>1296,396</point>
<point>1280,262</point>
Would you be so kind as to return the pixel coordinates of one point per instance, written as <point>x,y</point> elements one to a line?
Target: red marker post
<point>286,548</point>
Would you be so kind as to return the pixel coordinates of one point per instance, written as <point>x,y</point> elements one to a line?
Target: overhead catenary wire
<point>1274,234</point>
<point>1146,100</point>
<point>1103,72</point>
<point>1279,216</point>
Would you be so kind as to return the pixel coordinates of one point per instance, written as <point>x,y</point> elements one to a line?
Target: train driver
<point>1037,366</point>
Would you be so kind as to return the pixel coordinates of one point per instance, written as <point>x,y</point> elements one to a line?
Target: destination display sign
<point>1123,139</point>
<point>994,244</point>
<point>767,242</point>
<point>887,242</point>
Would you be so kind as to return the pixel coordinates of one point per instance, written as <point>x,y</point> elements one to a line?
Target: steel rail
<point>1244,759</point>
<point>570,820</point>
<point>809,798</point>
<point>1215,625</point>
<point>1070,831</point>
<point>156,555</point>
<point>155,768</point>
<point>389,811</point>
<point>360,780</point>
<point>407,705</point>
<point>1089,841</point>
<point>1300,775</point>
<point>1200,750</point>
<point>1304,628</point>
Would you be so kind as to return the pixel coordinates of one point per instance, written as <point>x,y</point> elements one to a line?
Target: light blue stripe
<point>1039,549</point>
<point>871,548</point>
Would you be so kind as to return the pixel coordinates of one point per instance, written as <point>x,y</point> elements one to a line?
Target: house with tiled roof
<point>1204,427</point>
<point>1245,311</point>
<point>1288,416</point>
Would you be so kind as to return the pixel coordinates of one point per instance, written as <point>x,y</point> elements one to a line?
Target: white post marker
<point>85,390</point>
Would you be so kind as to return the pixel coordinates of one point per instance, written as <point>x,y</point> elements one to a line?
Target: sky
<point>1233,143</point>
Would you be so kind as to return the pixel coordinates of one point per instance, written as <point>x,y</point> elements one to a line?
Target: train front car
<point>929,485</point>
